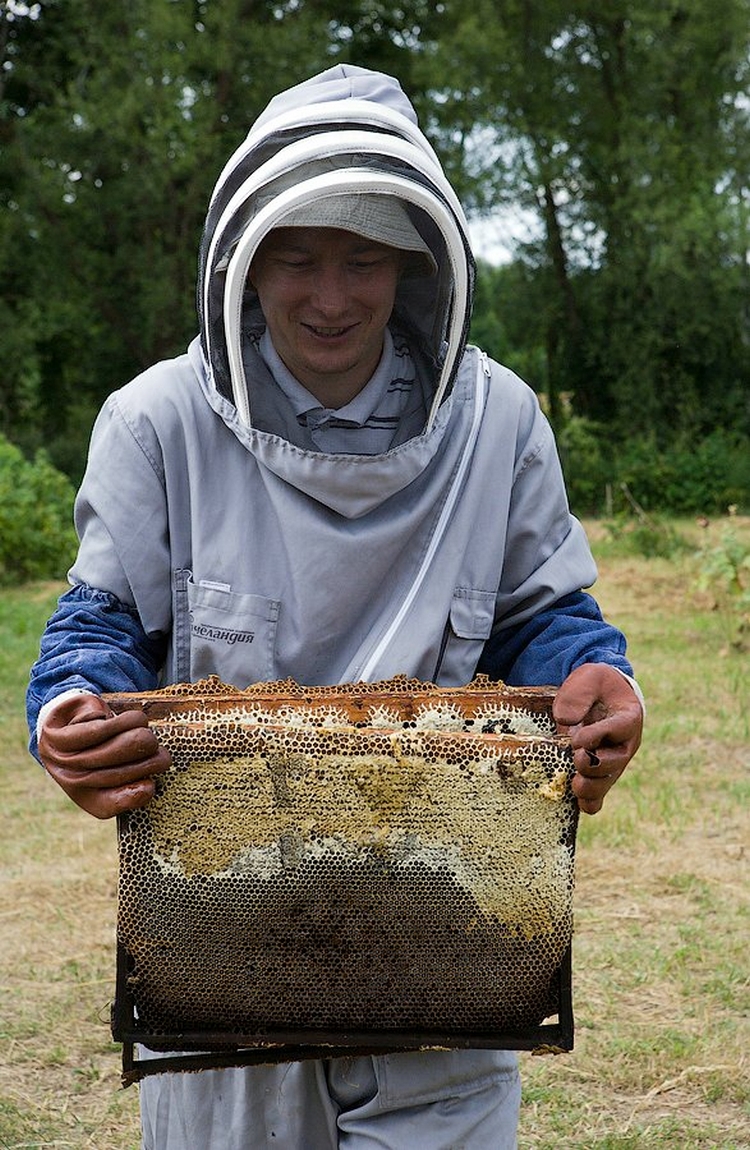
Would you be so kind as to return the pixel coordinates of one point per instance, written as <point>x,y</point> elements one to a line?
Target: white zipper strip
<point>480,391</point>
<point>354,111</point>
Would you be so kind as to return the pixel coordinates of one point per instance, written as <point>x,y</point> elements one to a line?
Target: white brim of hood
<point>353,180</point>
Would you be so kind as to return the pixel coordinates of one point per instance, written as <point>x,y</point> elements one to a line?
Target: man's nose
<point>331,292</point>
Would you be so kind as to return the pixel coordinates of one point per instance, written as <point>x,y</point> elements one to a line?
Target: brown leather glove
<point>104,762</point>
<point>601,712</point>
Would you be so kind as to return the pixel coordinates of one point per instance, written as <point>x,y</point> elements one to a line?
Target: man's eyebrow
<point>371,246</point>
<point>288,246</point>
<point>298,247</point>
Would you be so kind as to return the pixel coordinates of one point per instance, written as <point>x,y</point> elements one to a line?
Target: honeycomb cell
<point>384,856</point>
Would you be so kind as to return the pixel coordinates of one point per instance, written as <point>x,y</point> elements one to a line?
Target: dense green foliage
<point>37,540</point>
<point>704,477</point>
<point>619,132</point>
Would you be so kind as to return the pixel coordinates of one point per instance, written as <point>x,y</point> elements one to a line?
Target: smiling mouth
<point>328,332</point>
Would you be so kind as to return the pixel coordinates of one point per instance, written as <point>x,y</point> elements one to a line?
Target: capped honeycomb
<point>390,856</point>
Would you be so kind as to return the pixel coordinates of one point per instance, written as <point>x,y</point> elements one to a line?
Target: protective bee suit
<point>218,537</point>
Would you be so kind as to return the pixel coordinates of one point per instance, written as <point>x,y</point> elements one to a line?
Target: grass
<point>59,1070</point>
<point>661,983</point>
<point>660,965</point>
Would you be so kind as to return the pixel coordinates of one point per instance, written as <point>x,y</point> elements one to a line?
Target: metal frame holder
<point>203,1050</point>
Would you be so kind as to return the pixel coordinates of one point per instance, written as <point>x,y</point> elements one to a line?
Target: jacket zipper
<point>480,391</point>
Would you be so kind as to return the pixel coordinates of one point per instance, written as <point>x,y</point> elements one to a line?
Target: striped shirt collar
<point>388,410</point>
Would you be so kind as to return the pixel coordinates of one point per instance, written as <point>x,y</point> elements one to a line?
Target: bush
<point>587,466</point>
<point>724,570</point>
<point>37,540</point>
<point>685,478</point>
<point>688,478</point>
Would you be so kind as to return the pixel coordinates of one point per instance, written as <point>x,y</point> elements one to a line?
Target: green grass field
<point>660,965</point>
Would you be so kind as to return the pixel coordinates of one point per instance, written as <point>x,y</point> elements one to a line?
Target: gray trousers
<point>436,1100</point>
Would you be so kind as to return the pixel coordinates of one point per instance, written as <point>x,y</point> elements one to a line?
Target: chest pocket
<point>228,634</point>
<point>472,614</point>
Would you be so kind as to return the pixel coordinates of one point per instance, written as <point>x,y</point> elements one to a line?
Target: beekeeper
<point>329,485</point>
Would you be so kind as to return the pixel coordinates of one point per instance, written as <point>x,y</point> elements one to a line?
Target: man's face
<point>327,296</point>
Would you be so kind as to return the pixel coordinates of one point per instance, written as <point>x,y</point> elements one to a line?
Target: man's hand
<point>600,711</point>
<point>104,762</point>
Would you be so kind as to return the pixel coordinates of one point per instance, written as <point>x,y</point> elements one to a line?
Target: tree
<point>621,128</point>
<point>624,129</point>
<point>116,120</point>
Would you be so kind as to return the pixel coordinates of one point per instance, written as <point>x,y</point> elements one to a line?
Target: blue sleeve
<point>543,650</point>
<point>93,642</point>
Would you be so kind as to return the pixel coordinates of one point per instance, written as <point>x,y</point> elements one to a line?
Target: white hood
<point>346,130</point>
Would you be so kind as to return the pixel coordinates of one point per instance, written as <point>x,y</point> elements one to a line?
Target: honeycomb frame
<point>321,873</point>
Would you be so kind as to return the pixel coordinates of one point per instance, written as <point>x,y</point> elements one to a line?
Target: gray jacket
<point>265,559</point>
